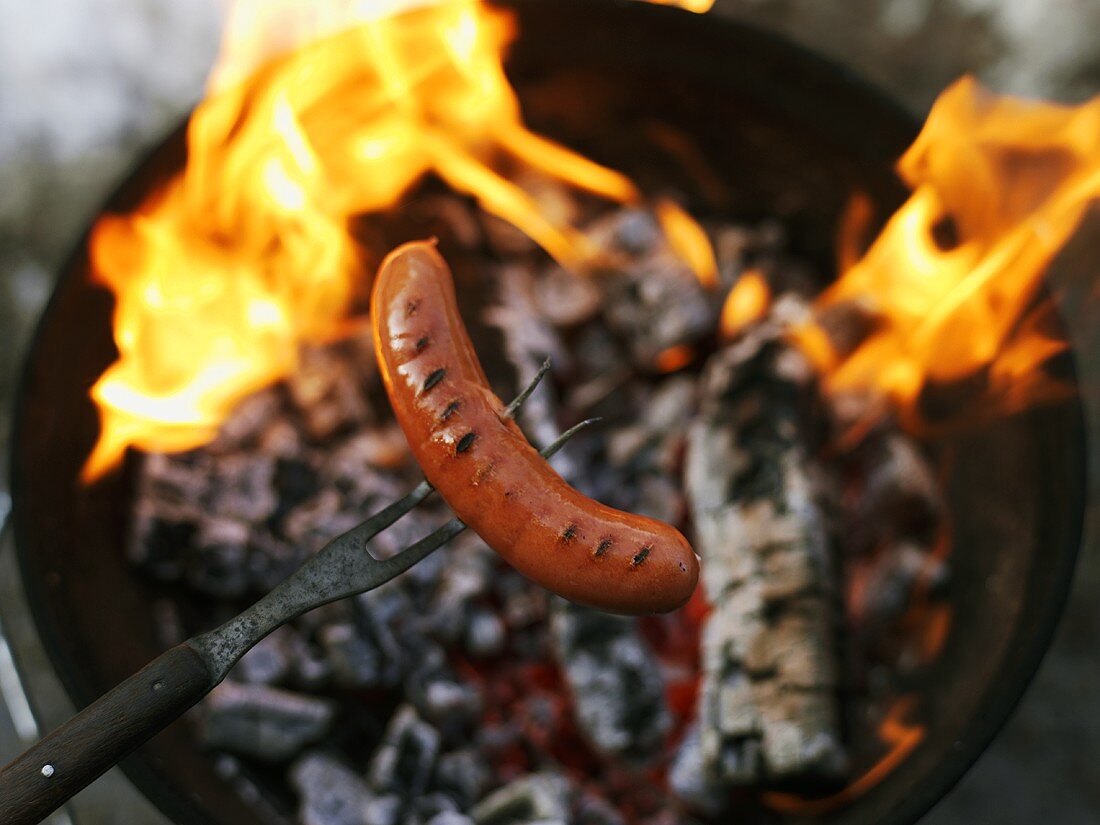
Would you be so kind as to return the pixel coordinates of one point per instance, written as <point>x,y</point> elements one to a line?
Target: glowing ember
<point>953,282</point>
<point>224,271</point>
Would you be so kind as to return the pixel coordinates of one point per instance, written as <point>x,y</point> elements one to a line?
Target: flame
<point>315,113</point>
<point>697,6</point>
<point>688,240</point>
<point>1010,179</point>
<point>746,302</point>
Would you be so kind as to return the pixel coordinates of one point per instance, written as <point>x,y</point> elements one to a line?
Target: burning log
<point>768,709</point>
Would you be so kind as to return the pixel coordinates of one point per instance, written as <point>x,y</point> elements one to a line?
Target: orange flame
<point>224,271</point>
<point>747,301</point>
<point>1010,180</point>
<point>697,6</point>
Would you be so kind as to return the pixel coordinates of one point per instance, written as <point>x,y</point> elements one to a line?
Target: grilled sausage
<point>489,474</point>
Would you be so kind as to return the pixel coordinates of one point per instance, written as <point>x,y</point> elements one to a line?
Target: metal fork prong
<point>399,563</point>
<point>392,512</point>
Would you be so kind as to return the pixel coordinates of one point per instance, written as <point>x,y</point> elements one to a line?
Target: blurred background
<point>86,86</point>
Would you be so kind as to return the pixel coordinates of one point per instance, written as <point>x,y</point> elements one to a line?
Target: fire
<point>697,6</point>
<point>747,301</point>
<point>316,112</point>
<point>954,281</point>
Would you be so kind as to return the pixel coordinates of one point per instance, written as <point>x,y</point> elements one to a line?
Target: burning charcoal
<point>405,760</point>
<point>330,792</point>
<point>247,423</point>
<point>768,707</point>
<point>523,603</point>
<point>269,662</point>
<point>383,810</point>
<point>565,298</point>
<point>544,798</point>
<point>271,560</point>
<point>327,391</point>
<point>280,439</point>
<point>266,723</point>
<point>353,466</point>
<point>614,678</point>
<point>504,238</point>
<point>528,341</point>
<point>160,538</point>
<point>241,487</point>
<point>900,493</point>
<point>311,669</point>
<point>652,300</point>
<point>312,524</point>
<point>464,775</point>
<point>432,805</point>
<point>448,702</point>
<point>450,818</point>
<point>219,564</point>
<point>485,633</point>
<point>178,478</point>
<point>449,216</point>
<point>296,480</point>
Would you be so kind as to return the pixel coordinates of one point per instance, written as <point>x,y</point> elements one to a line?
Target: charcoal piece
<point>266,723</point>
<point>296,479</point>
<point>311,669</point>
<point>268,662</point>
<point>523,604</point>
<point>330,793</point>
<point>383,810</point>
<point>327,390</point>
<point>218,563</point>
<point>565,298</point>
<point>281,440</point>
<point>160,538</point>
<point>450,818</point>
<point>404,761</point>
<point>464,775</point>
<point>271,559</point>
<point>449,217</point>
<point>614,678</point>
<point>899,495</point>
<point>594,810</point>
<point>449,703</point>
<point>528,341</point>
<point>485,633</point>
<point>174,478</point>
<point>431,805</point>
<point>652,299</point>
<point>241,486</point>
<point>769,706</point>
<point>355,660</point>
<point>890,580</point>
<point>544,798</point>
<point>248,422</point>
<point>360,466</point>
<point>312,524</point>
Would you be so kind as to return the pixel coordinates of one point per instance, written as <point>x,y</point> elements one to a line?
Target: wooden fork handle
<point>75,754</point>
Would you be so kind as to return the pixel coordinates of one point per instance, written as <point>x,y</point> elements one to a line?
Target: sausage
<point>489,474</point>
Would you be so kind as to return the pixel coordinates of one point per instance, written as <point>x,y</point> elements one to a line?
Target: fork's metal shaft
<point>46,775</point>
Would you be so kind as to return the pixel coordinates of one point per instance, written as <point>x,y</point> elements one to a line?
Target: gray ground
<point>85,85</point>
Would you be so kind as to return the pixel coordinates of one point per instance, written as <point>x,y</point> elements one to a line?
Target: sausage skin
<point>488,473</point>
